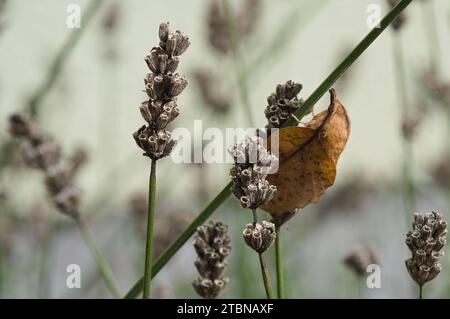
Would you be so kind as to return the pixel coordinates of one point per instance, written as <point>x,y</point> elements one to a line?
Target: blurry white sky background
<point>96,104</point>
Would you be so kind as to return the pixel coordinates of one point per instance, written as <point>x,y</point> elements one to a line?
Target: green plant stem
<point>348,61</point>
<point>407,147</point>
<point>101,261</point>
<point>265,275</point>
<point>421,292</point>
<point>432,35</point>
<point>182,239</point>
<point>279,264</point>
<point>241,70</point>
<point>262,264</point>
<point>150,230</point>
<point>315,96</point>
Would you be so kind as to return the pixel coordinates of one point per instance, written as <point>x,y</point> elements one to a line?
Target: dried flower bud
<point>77,160</point>
<point>252,164</point>
<point>360,258</point>
<point>212,245</point>
<point>68,201</point>
<point>282,104</point>
<point>163,31</point>
<point>40,155</point>
<point>259,236</point>
<point>176,85</point>
<point>425,242</point>
<point>20,125</point>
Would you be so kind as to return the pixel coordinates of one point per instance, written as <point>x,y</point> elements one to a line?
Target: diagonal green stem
<point>101,261</point>
<point>348,61</point>
<point>241,70</point>
<point>150,230</point>
<point>279,264</point>
<point>182,239</point>
<point>315,96</point>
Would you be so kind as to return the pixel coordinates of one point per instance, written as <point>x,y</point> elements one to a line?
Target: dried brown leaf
<point>308,158</point>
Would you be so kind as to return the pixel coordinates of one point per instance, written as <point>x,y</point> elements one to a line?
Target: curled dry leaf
<point>308,158</point>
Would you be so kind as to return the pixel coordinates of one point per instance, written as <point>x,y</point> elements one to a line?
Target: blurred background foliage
<point>94,103</point>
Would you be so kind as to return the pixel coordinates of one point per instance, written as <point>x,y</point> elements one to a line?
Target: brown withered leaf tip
<point>308,159</point>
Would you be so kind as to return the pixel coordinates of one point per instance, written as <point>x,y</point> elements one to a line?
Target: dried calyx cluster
<point>260,236</point>
<point>282,104</point>
<point>162,85</point>
<point>252,163</point>
<point>218,25</point>
<point>360,258</point>
<point>39,151</point>
<point>212,245</point>
<point>425,242</point>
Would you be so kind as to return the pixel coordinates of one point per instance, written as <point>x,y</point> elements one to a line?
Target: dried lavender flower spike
<point>212,245</point>
<point>41,152</point>
<point>425,242</point>
<point>162,85</point>
<point>252,163</point>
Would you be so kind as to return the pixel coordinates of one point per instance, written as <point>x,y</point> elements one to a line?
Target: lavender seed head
<point>39,151</point>
<point>260,236</point>
<point>425,242</point>
<point>252,164</point>
<point>212,245</point>
<point>283,103</point>
<point>162,85</point>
